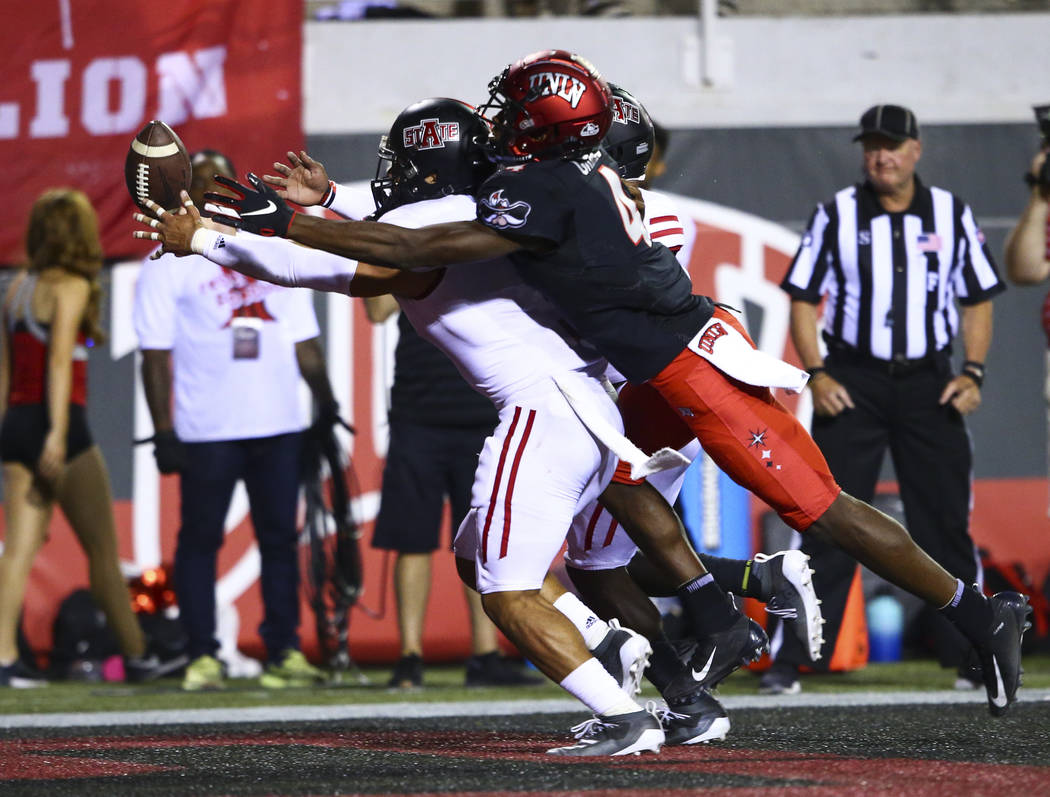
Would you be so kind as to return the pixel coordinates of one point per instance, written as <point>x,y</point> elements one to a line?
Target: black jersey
<point>627,297</point>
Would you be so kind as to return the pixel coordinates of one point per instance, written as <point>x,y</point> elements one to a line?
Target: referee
<point>892,257</point>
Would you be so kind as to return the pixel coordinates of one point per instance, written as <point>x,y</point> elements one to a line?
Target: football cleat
<point>693,719</point>
<point>718,656</point>
<point>787,587</point>
<point>1000,653</point>
<point>625,655</point>
<point>620,734</point>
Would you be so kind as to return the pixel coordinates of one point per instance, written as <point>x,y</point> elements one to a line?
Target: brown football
<point>157,167</point>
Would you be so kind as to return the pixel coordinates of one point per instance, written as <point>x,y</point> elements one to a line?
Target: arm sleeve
<point>156,296</point>
<point>976,276</point>
<point>805,275</point>
<point>516,202</point>
<point>276,260</point>
<point>351,201</point>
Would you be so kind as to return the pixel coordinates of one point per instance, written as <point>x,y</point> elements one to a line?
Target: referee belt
<point>900,365</point>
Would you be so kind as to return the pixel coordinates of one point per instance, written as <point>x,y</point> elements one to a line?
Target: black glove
<point>170,453</point>
<point>326,419</point>
<point>260,211</point>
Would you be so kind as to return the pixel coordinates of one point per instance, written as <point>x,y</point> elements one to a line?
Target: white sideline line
<point>277,714</point>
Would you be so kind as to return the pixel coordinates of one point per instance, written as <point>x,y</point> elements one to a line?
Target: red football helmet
<point>549,104</point>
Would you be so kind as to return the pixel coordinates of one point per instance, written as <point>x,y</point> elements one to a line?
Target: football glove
<point>259,211</point>
<point>170,453</point>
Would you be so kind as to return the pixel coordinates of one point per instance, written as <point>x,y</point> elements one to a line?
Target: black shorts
<point>424,465</point>
<point>26,425</point>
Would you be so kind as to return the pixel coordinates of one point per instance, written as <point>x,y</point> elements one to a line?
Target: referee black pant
<point>933,459</point>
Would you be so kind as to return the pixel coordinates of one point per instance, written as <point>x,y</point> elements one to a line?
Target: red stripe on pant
<point>588,540</point>
<point>510,483</point>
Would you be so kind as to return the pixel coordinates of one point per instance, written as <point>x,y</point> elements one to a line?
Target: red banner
<point>84,76</point>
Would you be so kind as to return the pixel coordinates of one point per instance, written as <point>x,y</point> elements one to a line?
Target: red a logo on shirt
<point>711,334</point>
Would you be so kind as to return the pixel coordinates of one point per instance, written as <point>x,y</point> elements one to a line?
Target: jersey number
<point>633,224</point>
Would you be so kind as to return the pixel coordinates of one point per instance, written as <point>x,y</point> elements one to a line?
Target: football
<point>157,167</point>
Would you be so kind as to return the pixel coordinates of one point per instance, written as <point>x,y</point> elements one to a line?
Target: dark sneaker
<point>718,656</point>
<point>491,669</point>
<point>694,719</point>
<point>780,679</point>
<point>1000,654</point>
<point>621,734</point>
<point>787,589</point>
<point>18,675</point>
<point>624,654</point>
<point>408,673</point>
<point>151,667</point>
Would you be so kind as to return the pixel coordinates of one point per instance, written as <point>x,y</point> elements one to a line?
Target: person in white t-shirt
<point>234,349</point>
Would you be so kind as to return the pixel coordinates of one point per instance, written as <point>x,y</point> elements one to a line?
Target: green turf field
<point>443,683</point>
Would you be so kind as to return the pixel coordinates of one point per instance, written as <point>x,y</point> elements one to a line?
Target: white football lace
<point>664,714</point>
<point>775,607</point>
<point>590,727</point>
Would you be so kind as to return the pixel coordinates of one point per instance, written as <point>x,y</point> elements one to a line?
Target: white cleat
<point>788,583</point>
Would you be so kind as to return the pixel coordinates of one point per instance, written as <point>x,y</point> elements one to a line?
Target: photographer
<point>1027,253</point>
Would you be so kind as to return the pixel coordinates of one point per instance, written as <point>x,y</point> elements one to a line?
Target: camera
<point>1042,118</point>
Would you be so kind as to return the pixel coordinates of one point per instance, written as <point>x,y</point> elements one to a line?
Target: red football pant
<point>748,433</point>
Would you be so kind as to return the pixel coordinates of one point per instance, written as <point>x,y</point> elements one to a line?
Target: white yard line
<point>278,714</point>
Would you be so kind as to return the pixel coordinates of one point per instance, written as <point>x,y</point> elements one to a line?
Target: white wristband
<point>202,239</point>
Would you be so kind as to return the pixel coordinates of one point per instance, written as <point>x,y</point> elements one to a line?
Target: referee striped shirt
<point>892,279</point>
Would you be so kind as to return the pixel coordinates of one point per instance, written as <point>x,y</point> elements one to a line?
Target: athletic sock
<point>664,664</point>
<point>591,627</point>
<point>707,607</point>
<point>970,612</point>
<point>595,688</point>
<point>732,575</point>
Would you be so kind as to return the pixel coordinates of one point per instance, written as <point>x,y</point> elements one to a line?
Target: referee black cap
<point>892,121</point>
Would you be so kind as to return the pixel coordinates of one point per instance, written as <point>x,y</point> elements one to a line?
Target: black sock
<point>732,575</point>
<point>664,664</point>
<point>707,608</point>
<point>970,612</point>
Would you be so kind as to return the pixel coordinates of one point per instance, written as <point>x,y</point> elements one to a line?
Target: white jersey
<point>505,338</point>
<point>663,221</point>
<point>232,341</point>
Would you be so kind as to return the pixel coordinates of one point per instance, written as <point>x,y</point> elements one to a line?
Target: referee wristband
<point>816,371</point>
<point>975,371</point>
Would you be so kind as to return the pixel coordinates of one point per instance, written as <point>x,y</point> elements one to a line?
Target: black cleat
<point>718,656</point>
<point>620,734</point>
<point>1000,653</point>
<point>624,654</point>
<point>787,587</point>
<point>693,719</point>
